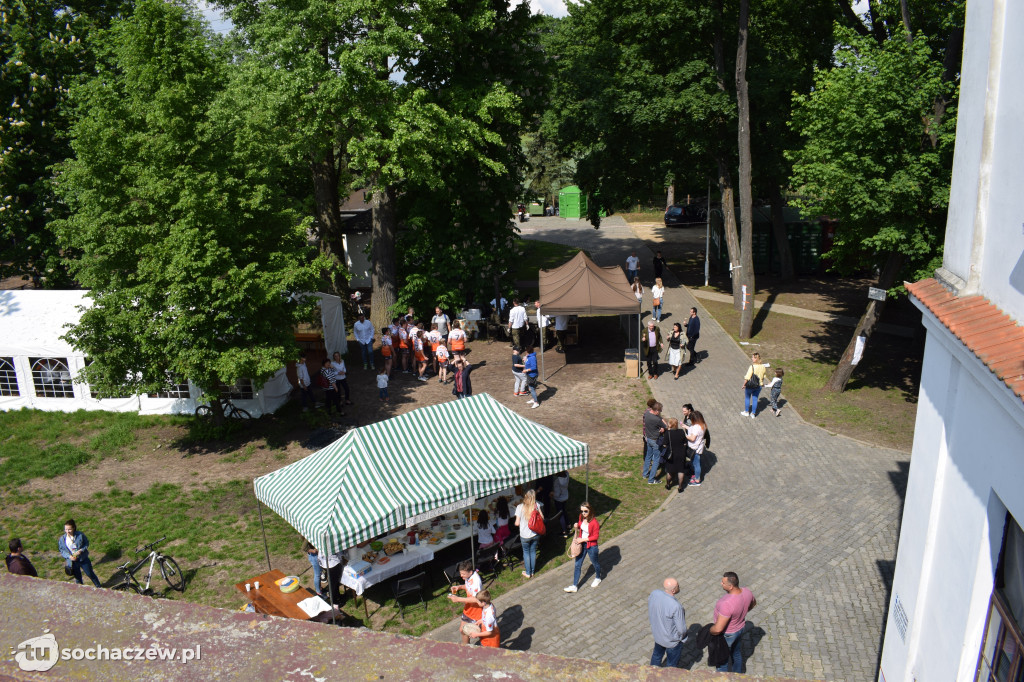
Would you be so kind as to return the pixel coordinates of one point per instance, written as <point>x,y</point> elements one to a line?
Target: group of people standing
<point>675,445</point>
<point>722,636</point>
<point>73,546</point>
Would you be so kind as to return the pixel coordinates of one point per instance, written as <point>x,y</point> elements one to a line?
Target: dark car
<point>685,214</point>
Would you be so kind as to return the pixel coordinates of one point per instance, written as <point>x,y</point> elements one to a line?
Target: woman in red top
<point>587,531</point>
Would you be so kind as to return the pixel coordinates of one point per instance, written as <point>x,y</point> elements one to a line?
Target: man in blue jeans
<point>668,624</point>
<point>654,426</point>
<point>731,618</point>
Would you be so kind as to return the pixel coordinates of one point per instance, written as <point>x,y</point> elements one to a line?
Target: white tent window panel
<point>240,390</point>
<point>51,378</point>
<point>8,378</point>
<point>121,395</point>
<point>173,390</point>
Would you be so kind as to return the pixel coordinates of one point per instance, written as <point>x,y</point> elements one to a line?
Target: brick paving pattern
<point>808,519</point>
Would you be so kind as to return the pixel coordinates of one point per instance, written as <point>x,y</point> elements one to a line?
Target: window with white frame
<point>51,378</point>
<point>1002,650</point>
<point>8,378</point>
<point>240,390</point>
<point>96,395</point>
<point>173,390</point>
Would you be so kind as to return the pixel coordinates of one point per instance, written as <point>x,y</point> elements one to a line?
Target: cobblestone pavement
<point>808,519</point>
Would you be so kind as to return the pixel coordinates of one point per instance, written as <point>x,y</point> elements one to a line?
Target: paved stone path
<point>809,521</point>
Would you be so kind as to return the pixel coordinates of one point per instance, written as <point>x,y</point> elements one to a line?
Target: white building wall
<point>967,470</point>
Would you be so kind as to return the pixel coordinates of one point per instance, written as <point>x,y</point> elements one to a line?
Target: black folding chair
<point>404,587</point>
<point>509,550</point>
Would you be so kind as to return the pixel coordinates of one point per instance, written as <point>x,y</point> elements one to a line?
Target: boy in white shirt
<point>382,384</point>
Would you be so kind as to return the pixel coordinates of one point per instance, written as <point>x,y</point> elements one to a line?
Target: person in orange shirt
<point>403,345</point>
<point>457,340</point>
<point>386,349</point>
<point>441,355</point>
<point>487,626</point>
<point>421,358</point>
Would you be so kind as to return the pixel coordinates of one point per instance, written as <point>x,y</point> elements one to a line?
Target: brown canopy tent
<point>581,287</point>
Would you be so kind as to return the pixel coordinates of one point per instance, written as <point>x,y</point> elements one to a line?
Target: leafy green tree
<point>389,97</point>
<point>189,249</point>
<point>43,46</point>
<point>875,158</point>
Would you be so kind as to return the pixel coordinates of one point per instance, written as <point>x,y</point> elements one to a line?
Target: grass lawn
<point>129,480</point>
<point>879,404</point>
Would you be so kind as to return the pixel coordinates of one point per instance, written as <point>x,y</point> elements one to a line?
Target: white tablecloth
<point>412,557</point>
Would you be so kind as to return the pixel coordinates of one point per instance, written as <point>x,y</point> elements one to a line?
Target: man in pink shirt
<point>731,619</point>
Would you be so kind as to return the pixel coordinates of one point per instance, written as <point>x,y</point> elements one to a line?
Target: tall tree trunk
<point>788,271</point>
<point>382,257</point>
<point>670,197</point>
<point>746,277</point>
<point>865,327</point>
<point>732,238</point>
<point>327,216</point>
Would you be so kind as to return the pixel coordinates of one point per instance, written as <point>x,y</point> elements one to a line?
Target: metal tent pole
<point>259,508</point>
<point>472,539</point>
<point>330,585</point>
<point>586,493</point>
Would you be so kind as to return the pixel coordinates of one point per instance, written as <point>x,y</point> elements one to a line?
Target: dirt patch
<point>586,396</point>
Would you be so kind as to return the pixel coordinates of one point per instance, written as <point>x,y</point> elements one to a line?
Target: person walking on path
<point>659,265</point>
<point>692,334</point>
<point>638,290</point>
<point>518,375</point>
<point>675,456</point>
<point>675,349</point>
<point>652,345</point>
<point>696,433</point>
<point>530,369</point>
<point>517,323</point>
<point>527,537</point>
<point>654,427</point>
<point>17,562</point>
<point>753,380</point>
<point>775,386</point>
<point>74,547</point>
<point>668,624</point>
<point>657,298</point>
<point>632,267</point>
<point>731,619</point>
<point>363,331</point>
<point>587,530</point>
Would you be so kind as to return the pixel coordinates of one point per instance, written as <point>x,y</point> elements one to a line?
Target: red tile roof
<point>986,330</point>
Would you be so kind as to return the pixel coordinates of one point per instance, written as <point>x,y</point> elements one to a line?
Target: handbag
<point>68,571</point>
<point>575,548</point>
<point>657,302</point>
<point>536,523</point>
<point>753,382</point>
<point>323,381</point>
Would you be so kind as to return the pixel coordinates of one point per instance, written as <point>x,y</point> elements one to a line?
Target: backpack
<point>753,382</point>
<point>536,523</point>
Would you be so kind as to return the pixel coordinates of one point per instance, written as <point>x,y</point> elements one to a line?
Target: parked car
<point>685,214</point>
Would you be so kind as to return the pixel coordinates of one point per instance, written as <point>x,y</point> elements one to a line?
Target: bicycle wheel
<point>204,411</point>
<point>172,574</point>
<point>127,586</point>
<point>239,413</point>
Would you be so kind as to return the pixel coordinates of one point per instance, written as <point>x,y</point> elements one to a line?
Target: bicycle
<point>230,410</point>
<point>168,568</point>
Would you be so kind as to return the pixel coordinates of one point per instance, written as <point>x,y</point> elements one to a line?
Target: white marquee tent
<point>37,367</point>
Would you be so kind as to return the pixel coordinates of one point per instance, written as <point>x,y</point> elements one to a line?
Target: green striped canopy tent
<point>415,466</point>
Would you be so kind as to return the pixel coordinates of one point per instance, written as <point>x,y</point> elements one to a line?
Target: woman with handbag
<point>585,543</point>
<point>657,298</point>
<point>74,547</point>
<point>697,435</point>
<point>676,342</point>
<point>675,466</point>
<point>753,380</point>
<point>527,536</point>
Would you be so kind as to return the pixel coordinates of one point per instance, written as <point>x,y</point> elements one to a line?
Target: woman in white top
<point>527,537</point>
<point>638,289</point>
<point>338,365</point>
<point>657,292</point>
<point>559,496</point>
<point>695,434</point>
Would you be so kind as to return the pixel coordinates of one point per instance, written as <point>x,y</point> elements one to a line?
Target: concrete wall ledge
<point>234,645</point>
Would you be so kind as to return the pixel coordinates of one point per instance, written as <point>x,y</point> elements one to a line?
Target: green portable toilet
<point>571,202</point>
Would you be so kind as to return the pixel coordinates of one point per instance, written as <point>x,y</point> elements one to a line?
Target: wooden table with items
<point>269,598</point>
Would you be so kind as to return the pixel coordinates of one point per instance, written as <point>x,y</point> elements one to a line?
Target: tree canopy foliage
<point>184,238</point>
